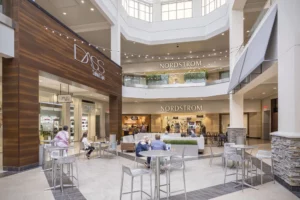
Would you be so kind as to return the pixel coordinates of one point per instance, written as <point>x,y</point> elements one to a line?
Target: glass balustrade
<point>169,80</point>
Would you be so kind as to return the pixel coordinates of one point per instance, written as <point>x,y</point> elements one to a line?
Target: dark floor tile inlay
<point>68,193</point>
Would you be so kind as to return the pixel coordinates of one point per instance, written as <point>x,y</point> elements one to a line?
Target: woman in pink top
<point>62,137</point>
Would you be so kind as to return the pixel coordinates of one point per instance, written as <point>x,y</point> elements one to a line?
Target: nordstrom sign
<point>183,64</point>
<point>183,108</point>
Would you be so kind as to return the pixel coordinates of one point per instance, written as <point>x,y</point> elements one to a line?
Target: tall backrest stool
<point>261,155</point>
<point>133,173</point>
<point>227,151</point>
<point>69,161</point>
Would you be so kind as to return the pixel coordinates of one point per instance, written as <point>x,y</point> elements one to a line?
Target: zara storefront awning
<point>255,52</point>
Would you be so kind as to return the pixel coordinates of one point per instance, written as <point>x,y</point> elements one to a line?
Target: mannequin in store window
<point>87,145</point>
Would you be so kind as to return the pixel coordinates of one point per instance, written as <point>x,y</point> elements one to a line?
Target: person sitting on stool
<point>87,145</point>
<point>143,145</point>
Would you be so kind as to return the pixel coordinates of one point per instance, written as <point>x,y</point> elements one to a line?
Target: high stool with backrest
<point>235,158</point>
<point>261,155</point>
<point>176,163</point>
<point>227,151</point>
<point>70,161</point>
<point>135,173</point>
<point>112,147</point>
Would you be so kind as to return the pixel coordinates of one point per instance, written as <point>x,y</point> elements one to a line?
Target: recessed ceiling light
<point>133,42</point>
<point>197,56</point>
<point>248,31</point>
<point>152,57</point>
<point>184,57</point>
<point>220,58</point>
<point>92,9</point>
<point>274,88</point>
<point>82,1</point>
<point>220,52</point>
<point>64,13</point>
<point>41,81</point>
<point>226,51</point>
<point>191,52</point>
<point>178,58</point>
<point>159,58</point>
<point>252,98</point>
<point>263,93</point>
<point>131,55</point>
<point>213,49</point>
<point>139,55</point>
<point>126,56</point>
<point>201,99</point>
<point>225,56</point>
<point>168,53</point>
<point>203,56</point>
<point>223,33</point>
<point>244,18</point>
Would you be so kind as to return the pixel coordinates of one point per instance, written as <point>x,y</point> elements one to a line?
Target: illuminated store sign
<point>183,64</point>
<point>183,108</point>
<point>96,64</point>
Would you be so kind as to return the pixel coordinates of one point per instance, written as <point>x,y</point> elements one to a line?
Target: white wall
<point>216,106</point>
<point>7,41</point>
<point>155,66</point>
<point>180,92</point>
<point>162,32</point>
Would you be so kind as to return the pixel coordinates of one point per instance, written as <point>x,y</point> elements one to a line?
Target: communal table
<point>157,154</point>
<point>243,148</point>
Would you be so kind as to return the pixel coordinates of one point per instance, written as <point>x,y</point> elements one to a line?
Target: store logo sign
<point>96,64</point>
<point>185,64</point>
<point>181,108</point>
<point>66,98</point>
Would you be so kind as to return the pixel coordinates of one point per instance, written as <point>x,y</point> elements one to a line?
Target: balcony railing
<point>135,82</point>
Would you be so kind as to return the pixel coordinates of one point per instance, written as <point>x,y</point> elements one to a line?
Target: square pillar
<point>115,116</point>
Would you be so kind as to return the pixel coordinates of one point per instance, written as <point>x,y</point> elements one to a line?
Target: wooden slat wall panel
<point>36,51</point>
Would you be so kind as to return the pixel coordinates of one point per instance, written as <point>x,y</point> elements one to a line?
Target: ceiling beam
<point>239,4</point>
<point>91,27</point>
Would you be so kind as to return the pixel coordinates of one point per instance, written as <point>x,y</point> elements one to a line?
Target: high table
<point>61,154</point>
<point>243,148</point>
<point>100,146</point>
<point>157,154</point>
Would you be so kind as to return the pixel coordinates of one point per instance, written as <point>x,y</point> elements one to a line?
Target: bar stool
<point>261,155</point>
<point>236,158</point>
<point>70,161</point>
<point>135,173</point>
<point>176,163</point>
<point>227,151</point>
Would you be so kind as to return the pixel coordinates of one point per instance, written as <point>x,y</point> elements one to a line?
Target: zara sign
<point>178,65</point>
<point>96,64</point>
<point>181,108</point>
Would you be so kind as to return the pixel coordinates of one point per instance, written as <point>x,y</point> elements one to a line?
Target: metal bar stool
<point>261,155</point>
<point>176,163</point>
<point>69,161</point>
<point>135,173</point>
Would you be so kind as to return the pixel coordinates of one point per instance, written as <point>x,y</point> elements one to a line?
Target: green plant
<point>45,133</point>
<point>181,142</point>
<point>198,75</point>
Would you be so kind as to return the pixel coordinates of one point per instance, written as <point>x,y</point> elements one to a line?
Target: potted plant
<point>191,146</point>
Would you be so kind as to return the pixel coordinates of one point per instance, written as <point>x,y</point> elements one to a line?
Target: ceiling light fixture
<point>274,88</point>
<point>92,9</point>
<point>214,50</point>
<point>248,31</point>
<point>126,56</point>
<point>64,13</point>
<point>197,56</point>
<point>131,55</point>
<point>223,33</point>
<point>191,52</point>
<point>168,53</point>
<point>139,55</point>
<point>263,93</point>
<point>203,56</point>
<point>159,58</point>
<point>82,1</point>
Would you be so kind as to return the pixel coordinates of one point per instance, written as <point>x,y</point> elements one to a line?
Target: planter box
<point>190,150</point>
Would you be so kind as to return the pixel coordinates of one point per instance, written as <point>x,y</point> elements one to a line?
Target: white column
<point>156,11</point>
<point>236,39</point>
<point>115,37</point>
<point>288,66</point>
<point>77,119</point>
<point>65,115</point>
<point>197,8</point>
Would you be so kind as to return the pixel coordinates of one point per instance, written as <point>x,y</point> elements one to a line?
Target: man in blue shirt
<point>143,146</point>
<point>157,144</point>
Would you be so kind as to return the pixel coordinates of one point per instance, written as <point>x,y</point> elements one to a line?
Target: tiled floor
<point>100,179</point>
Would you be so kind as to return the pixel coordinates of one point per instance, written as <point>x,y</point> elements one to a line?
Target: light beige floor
<point>29,185</point>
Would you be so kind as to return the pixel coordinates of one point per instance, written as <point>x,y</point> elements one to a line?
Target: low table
<point>157,154</point>
<point>243,148</point>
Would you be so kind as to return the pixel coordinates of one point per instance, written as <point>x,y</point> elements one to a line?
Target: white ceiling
<point>78,13</point>
<point>48,87</point>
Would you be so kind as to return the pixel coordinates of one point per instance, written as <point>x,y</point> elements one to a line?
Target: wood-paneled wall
<point>38,51</point>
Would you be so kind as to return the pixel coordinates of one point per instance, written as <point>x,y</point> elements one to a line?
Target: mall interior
<point>149,99</point>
